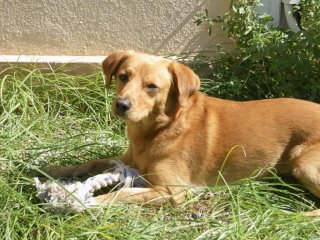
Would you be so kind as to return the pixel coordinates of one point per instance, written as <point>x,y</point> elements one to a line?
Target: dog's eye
<point>152,87</point>
<point>123,77</point>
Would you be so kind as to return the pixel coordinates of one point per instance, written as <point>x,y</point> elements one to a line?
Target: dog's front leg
<point>90,167</point>
<point>152,196</point>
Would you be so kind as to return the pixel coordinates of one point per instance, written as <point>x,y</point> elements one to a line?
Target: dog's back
<point>254,135</point>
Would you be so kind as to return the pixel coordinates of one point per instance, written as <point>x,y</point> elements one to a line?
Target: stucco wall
<point>97,27</point>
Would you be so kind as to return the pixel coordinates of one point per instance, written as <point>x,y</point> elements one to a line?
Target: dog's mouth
<point>132,114</point>
<point>127,116</point>
<point>121,115</point>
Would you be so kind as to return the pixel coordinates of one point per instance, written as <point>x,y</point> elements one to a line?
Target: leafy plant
<point>268,61</point>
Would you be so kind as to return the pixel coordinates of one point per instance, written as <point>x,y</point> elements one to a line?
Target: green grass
<point>48,117</point>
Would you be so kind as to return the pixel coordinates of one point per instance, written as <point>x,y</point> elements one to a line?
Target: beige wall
<point>97,27</point>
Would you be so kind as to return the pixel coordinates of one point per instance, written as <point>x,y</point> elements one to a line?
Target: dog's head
<point>148,85</point>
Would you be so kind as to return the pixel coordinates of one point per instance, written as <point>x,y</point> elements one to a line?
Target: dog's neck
<point>153,125</point>
<point>168,120</point>
<point>147,126</point>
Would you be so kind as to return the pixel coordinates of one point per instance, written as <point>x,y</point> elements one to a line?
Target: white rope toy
<point>65,196</point>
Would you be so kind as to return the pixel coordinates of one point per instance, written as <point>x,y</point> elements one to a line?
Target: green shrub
<point>268,61</point>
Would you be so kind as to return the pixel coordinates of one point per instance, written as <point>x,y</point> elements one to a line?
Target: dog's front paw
<point>59,171</point>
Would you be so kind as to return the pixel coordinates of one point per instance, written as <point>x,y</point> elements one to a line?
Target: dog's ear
<point>186,82</point>
<point>112,63</point>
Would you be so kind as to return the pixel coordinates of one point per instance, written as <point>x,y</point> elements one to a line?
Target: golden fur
<point>181,137</point>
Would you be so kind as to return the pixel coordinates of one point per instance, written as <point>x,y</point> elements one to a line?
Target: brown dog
<point>180,137</point>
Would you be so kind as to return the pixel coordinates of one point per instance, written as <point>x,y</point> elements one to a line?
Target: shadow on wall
<point>198,38</point>
<point>191,43</point>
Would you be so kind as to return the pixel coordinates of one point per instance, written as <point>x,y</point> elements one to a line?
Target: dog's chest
<point>151,151</point>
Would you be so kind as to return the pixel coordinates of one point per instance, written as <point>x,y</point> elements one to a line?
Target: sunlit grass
<point>49,117</point>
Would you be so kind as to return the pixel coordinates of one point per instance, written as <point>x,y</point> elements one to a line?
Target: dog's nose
<point>123,105</point>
